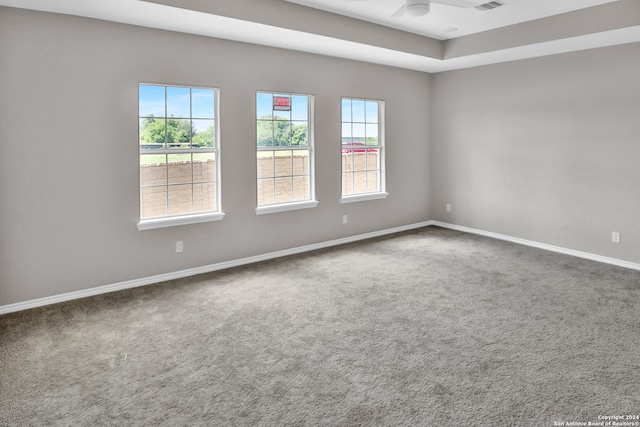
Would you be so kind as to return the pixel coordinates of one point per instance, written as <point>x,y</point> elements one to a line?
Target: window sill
<point>149,224</point>
<point>363,197</point>
<point>263,210</point>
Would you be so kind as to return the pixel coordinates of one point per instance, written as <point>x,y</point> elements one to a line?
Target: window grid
<point>177,156</point>
<point>280,177</point>
<point>284,140</point>
<point>362,139</point>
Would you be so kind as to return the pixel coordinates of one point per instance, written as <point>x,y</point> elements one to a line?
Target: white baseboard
<point>579,254</point>
<point>10,308</point>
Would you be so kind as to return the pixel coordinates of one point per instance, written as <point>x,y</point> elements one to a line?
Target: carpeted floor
<point>430,327</point>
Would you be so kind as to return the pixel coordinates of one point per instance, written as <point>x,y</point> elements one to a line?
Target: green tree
<point>173,130</point>
<point>204,138</point>
<point>152,130</point>
<point>299,135</point>
<point>178,130</point>
<point>280,132</point>
<point>273,132</point>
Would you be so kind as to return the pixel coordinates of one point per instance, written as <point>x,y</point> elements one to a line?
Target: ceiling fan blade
<point>458,3</point>
<point>399,12</point>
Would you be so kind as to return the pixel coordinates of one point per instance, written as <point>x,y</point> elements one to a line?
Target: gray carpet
<point>424,328</point>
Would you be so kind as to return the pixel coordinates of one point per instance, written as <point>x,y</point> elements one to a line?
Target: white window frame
<point>381,192</point>
<point>289,205</point>
<point>188,218</point>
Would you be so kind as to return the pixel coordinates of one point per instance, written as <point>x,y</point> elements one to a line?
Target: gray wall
<point>546,149</point>
<point>68,150</point>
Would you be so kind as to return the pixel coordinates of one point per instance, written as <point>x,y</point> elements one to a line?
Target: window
<point>284,140</point>
<point>362,150</point>
<point>179,161</point>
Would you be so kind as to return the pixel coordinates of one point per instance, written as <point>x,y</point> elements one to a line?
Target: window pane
<point>282,133</point>
<point>299,133</point>
<point>358,132</point>
<point>346,133</point>
<point>372,134</point>
<point>299,108</point>
<point>359,161</point>
<point>347,160</point>
<point>359,182</point>
<point>346,110</point>
<point>203,133</point>
<point>282,115</point>
<point>347,183</point>
<point>284,189</point>
<point>153,202</point>
<point>178,133</point>
<point>372,181</point>
<point>265,191</point>
<point>180,198</point>
<point>264,106</point>
<point>179,168</point>
<point>167,180</point>
<point>151,101</point>
<point>372,111</point>
<point>204,167</point>
<point>178,102</point>
<point>301,189</point>
<point>152,132</point>
<point>373,160</point>
<point>266,162</point>
<point>264,131</point>
<point>153,170</point>
<point>301,162</point>
<point>289,127</point>
<point>204,197</point>
<point>357,108</point>
<point>283,163</point>
<point>203,103</point>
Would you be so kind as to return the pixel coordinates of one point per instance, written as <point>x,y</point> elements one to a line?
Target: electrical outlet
<point>615,237</point>
<point>448,208</point>
<point>345,219</point>
<point>179,246</point>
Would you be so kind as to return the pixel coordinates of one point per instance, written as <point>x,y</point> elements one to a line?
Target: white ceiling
<point>441,20</point>
<point>521,29</point>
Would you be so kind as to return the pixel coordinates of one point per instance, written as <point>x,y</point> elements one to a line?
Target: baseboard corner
<point>552,248</point>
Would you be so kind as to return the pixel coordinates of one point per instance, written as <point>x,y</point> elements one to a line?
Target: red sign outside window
<point>282,103</point>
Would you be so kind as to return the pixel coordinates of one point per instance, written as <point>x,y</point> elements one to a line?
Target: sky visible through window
<point>284,149</point>
<point>299,107</point>
<point>282,127</point>
<point>179,102</point>
<point>178,150</point>
<point>359,121</point>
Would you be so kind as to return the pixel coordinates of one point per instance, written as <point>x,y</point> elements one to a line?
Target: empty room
<point>320,213</point>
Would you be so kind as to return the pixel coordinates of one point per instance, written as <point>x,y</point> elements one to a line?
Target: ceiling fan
<point>422,7</point>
